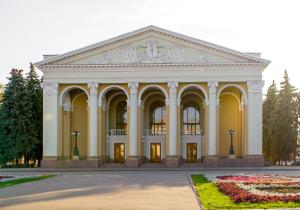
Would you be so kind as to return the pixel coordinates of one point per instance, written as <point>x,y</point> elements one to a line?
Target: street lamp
<point>231,150</point>
<point>75,150</point>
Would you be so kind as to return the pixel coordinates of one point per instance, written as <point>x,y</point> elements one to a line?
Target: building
<point>152,95</point>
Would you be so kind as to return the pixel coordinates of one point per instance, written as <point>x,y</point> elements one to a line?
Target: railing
<point>191,132</point>
<point>117,132</point>
<point>150,132</point>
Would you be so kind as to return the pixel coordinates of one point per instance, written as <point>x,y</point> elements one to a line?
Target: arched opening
<point>115,118</point>
<point>231,117</point>
<point>153,123</point>
<point>74,119</point>
<point>192,119</point>
<point>157,118</point>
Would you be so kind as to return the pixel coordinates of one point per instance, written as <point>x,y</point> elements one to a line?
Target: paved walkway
<point>102,190</point>
<point>72,190</point>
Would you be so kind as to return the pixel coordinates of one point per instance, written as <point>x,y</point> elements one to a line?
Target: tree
<point>269,105</point>
<point>1,92</point>
<point>287,119</point>
<point>33,99</point>
<point>12,118</point>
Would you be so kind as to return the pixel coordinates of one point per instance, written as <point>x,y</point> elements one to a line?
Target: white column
<point>50,120</point>
<point>255,117</point>
<point>172,118</point>
<point>212,118</point>
<point>133,118</point>
<point>93,150</point>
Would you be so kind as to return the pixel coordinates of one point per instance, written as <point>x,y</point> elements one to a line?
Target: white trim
<point>232,94</point>
<point>67,89</point>
<point>155,87</point>
<point>161,31</point>
<point>108,88</point>
<point>195,86</point>
<point>112,97</point>
<point>232,85</point>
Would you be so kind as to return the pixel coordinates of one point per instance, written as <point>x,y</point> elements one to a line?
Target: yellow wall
<point>79,123</point>
<point>229,118</point>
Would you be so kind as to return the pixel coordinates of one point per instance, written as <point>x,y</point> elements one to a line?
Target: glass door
<point>191,152</point>
<point>119,152</point>
<point>155,152</point>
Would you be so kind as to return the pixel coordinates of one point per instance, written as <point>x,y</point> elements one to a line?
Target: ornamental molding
<point>172,84</point>
<point>255,85</point>
<point>93,86</point>
<point>151,50</point>
<point>147,65</point>
<point>50,87</point>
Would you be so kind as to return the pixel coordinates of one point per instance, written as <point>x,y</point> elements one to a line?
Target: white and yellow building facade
<point>152,96</point>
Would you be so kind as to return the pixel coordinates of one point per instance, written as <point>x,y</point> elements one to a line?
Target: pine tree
<point>12,121</point>
<point>269,105</point>
<point>34,117</point>
<point>287,119</point>
<point>1,92</point>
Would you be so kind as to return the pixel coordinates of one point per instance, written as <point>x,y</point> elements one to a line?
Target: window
<point>191,119</point>
<point>157,118</point>
<point>122,115</point>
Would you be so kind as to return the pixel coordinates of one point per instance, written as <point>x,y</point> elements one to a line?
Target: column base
<point>211,161</point>
<point>172,162</point>
<point>71,163</point>
<point>132,162</point>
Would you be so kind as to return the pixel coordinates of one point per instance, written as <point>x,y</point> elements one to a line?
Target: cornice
<point>143,66</point>
<point>157,30</point>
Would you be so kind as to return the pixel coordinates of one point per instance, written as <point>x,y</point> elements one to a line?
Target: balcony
<point>154,132</point>
<point>117,132</point>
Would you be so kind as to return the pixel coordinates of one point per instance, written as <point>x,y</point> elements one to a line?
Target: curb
<point>195,192</point>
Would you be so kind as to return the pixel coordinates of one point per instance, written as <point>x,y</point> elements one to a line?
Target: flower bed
<point>264,188</point>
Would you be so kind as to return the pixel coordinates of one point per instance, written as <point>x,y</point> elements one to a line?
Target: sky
<point>31,28</point>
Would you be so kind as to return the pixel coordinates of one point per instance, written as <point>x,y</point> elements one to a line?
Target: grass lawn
<point>23,180</point>
<point>212,198</point>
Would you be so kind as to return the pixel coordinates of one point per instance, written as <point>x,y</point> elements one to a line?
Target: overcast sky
<point>31,28</point>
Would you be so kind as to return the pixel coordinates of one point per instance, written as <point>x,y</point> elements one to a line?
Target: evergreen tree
<point>1,92</point>
<point>12,120</point>
<point>269,105</point>
<point>32,145</point>
<point>286,119</point>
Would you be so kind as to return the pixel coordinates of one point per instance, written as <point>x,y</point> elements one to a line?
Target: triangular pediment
<point>152,45</point>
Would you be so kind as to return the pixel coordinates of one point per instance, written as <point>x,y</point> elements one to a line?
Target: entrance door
<point>155,152</point>
<point>119,152</point>
<point>191,152</point>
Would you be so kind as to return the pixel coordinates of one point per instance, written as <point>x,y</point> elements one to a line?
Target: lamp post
<point>231,150</point>
<point>75,150</point>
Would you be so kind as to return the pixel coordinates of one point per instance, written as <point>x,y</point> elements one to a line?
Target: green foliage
<point>24,180</point>
<point>21,118</point>
<point>32,146</point>
<point>12,117</point>
<point>268,126</point>
<point>212,198</point>
<point>1,92</point>
<point>280,121</point>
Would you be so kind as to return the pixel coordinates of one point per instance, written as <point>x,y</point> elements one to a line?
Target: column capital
<point>50,87</point>
<point>255,85</point>
<point>172,84</point>
<point>133,85</point>
<point>93,86</point>
<point>212,84</point>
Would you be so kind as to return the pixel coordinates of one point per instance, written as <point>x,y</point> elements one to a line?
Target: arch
<point>112,97</point>
<point>67,89</point>
<point>195,93</point>
<point>108,88</point>
<point>199,87</point>
<point>232,94</point>
<point>149,95</point>
<point>233,85</point>
<point>152,86</point>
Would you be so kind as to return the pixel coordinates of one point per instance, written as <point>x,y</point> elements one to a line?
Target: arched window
<point>121,115</point>
<point>191,119</point>
<point>158,118</point>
